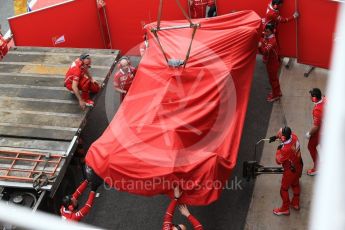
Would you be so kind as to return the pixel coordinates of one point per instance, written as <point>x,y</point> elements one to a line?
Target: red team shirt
<point>3,47</point>
<point>74,73</point>
<point>318,112</point>
<point>317,121</point>
<point>124,80</point>
<point>269,49</point>
<point>78,215</point>
<point>289,154</point>
<point>198,8</point>
<point>273,16</point>
<point>167,223</point>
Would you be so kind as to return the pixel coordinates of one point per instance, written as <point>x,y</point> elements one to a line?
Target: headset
<point>315,94</point>
<point>84,56</point>
<point>123,58</point>
<point>286,133</point>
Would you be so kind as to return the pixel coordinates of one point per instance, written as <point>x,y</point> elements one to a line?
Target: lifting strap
<point>190,46</point>
<point>184,12</point>
<point>159,14</point>
<point>191,25</point>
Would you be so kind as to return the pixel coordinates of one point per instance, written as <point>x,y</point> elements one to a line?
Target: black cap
<point>316,92</point>
<point>66,201</point>
<point>270,26</point>
<point>286,132</point>
<point>84,56</point>
<point>277,2</point>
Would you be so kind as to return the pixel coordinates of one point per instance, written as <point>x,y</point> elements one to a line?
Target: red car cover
<point>183,125</point>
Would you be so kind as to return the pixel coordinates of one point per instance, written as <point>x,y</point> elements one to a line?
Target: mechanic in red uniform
<point>314,133</point>
<point>69,206</point>
<point>3,45</point>
<point>124,77</point>
<point>169,215</point>
<point>78,78</point>
<point>289,156</point>
<point>269,49</point>
<point>273,14</point>
<point>202,8</point>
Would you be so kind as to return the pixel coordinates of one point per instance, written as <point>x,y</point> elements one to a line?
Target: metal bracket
<point>309,71</point>
<point>175,63</point>
<point>42,179</point>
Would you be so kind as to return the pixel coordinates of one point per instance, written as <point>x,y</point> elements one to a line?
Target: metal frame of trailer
<point>40,121</point>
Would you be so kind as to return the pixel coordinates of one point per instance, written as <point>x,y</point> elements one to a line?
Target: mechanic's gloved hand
<point>89,173</point>
<point>273,139</point>
<point>307,135</point>
<point>280,147</point>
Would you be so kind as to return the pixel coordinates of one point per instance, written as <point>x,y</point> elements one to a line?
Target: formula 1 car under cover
<point>181,121</point>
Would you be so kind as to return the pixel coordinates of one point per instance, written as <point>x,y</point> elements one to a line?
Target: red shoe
<point>296,207</point>
<point>312,172</point>
<point>89,103</point>
<point>281,211</point>
<point>295,204</point>
<point>272,98</point>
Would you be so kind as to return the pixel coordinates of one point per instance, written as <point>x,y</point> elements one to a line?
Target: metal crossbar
<point>13,162</point>
<point>28,171</point>
<point>159,28</point>
<point>22,166</point>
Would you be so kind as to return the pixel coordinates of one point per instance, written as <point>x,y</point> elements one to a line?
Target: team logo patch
<point>58,40</point>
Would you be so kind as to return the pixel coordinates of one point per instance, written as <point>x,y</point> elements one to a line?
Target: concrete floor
<point>297,107</point>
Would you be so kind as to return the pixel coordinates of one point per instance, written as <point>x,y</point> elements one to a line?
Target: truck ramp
<point>41,120</point>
